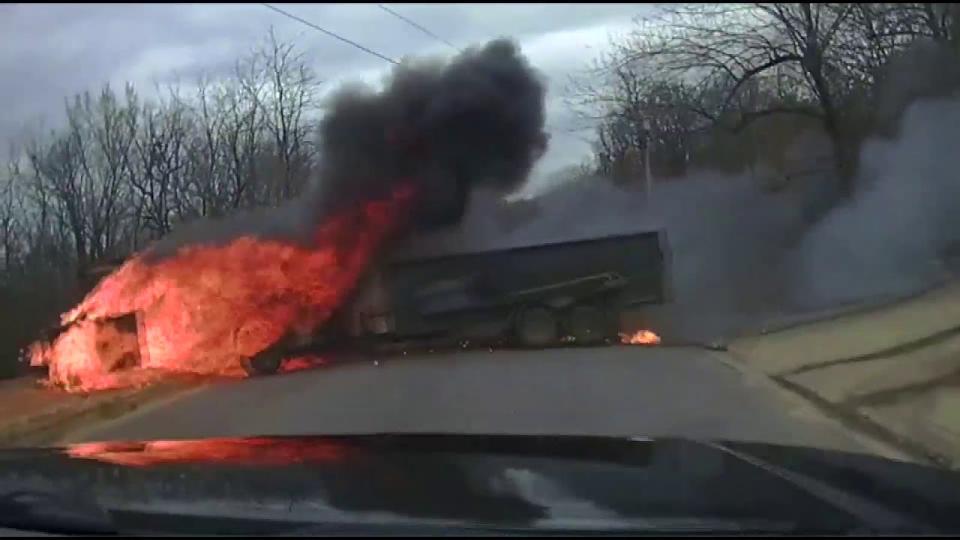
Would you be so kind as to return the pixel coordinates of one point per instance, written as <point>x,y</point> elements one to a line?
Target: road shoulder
<point>891,374</point>
<point>33,415</point>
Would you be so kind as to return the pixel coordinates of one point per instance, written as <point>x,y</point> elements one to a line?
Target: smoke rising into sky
<point>478,119</point>
<point>744,256</point>
<point>893,235</point>
<point>445,126</point>
<point>741,254</point>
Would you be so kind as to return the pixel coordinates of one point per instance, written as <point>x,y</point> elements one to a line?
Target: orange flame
<point>300,363</point>
<point>207,307</point>
<point>640,337</point>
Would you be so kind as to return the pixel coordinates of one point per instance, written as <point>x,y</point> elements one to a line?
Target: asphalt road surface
<point>627,391</point>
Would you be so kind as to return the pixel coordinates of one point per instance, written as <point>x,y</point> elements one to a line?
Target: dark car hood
<point>264,485</point>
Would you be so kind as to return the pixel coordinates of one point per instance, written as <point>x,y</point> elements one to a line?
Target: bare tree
<point>632,109</point>
<point>203,193</point>
<point>110,129</point>
<point>244,137</point>
<point>287,92</point>
<point>44,234</point>
<point>160,147</point>
<point>11,211</point>
<point>737,63</point>
<point>789,50</point>
<point>59,188</point>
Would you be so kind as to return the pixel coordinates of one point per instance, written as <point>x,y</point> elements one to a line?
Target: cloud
<point>50,52</point>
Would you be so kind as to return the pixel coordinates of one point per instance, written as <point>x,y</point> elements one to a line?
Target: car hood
<point>504,482</point>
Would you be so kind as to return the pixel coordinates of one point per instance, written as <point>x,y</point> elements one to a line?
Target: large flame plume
<point>213,293</point>
<point>207,308</point>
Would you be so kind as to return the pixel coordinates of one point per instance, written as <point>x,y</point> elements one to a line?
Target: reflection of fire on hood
<point>212,293</point>
<point>248,451</point>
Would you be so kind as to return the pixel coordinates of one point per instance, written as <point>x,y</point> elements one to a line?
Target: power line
<point>331,34</point>
<point>417,26</point>
<point>451,45</point>
<point>375,53</point>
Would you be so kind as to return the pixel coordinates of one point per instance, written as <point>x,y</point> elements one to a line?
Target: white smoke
<point>893,237</point>
<point>743,255</point>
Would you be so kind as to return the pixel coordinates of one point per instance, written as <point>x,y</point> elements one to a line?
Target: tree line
<point>706,84</point>
<point>123,170</point>
<point>699,84</point>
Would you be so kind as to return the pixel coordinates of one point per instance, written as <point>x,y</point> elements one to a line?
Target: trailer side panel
<point>430,296</point>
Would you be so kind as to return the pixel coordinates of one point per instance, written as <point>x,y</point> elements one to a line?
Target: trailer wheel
<point>537,326</point>
<point>265,363</point>
<point>589,324</point>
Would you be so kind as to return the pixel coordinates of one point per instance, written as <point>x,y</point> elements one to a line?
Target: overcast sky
<point>50,51</point>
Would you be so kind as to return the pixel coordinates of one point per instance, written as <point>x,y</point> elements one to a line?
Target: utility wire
<point>331,34</point>
<point>417,26</point>
<point>553,130</point>
<point>383,57</point>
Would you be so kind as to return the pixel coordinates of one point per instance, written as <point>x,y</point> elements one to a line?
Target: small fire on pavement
<point>640,337</point>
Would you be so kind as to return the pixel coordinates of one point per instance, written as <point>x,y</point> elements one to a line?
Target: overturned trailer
<point>536,296</point>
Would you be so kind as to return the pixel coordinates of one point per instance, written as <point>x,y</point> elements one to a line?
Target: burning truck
<point>227,297</point>
<point>533,296</point>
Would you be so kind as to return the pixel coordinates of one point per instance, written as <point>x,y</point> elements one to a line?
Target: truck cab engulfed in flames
<point>535,296</point>
<point>258,302</point>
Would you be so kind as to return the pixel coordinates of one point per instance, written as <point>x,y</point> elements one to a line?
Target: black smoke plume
<point>445,126</point>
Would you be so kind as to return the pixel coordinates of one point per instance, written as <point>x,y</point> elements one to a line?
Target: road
<point>635,391</point>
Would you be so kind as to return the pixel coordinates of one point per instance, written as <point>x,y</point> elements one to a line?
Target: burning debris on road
<point>640,337</point>
<point>213,293</point>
